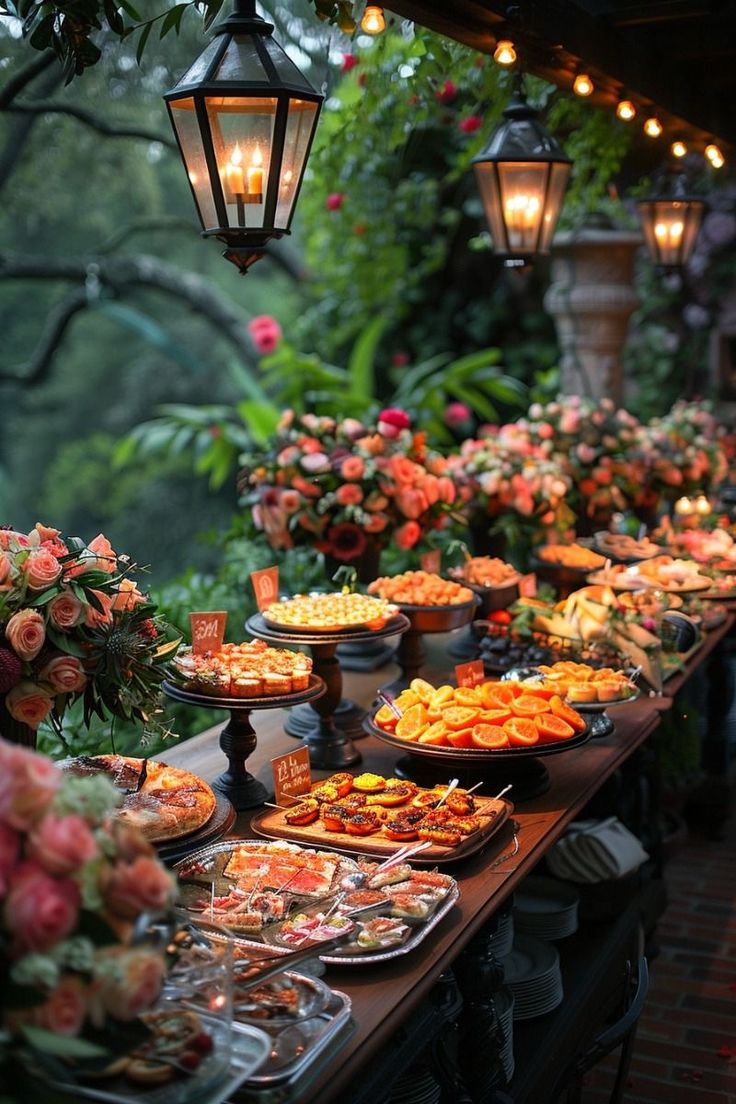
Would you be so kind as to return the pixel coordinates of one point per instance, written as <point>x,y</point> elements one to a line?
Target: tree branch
<point>37,368</point>
<point>24,77</point>
<point>144,226</point>
<point>19,129</point>
<point>49,107</point>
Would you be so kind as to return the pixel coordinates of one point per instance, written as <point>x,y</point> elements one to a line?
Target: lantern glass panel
<point>523,188</point>
<point>299,128</point>
<point>241,62</point>
<point>670,228</point>
<point>198,69</point>
<point>242,136</point>
<point>286,70</point>
<point>559,176</point>
<point>187,131</point>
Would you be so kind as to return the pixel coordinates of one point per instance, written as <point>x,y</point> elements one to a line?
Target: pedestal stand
<point>410,654</point>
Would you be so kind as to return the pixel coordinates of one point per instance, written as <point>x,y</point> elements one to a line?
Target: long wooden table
<point>384,996</point>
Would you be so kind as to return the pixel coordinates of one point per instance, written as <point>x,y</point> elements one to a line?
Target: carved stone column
<point>591,299</point>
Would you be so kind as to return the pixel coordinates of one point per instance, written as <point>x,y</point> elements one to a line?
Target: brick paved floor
<point>685,1050</point>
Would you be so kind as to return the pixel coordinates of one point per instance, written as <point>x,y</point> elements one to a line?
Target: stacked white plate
<point>502,939</point>
<point>532,973</point>
<point>546,908</point>
<point>416,1085</point>
<point>504,1001</point>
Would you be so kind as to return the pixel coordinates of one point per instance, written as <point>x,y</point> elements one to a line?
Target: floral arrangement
<point>73,883</point>
<point>73,624</point>
<point>340,486</point>
<point>685,450</point>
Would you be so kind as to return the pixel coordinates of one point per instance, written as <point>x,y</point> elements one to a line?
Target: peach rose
<point>138,886</point>
<point>9,536</point>
<point>352,468</point>
<point>403,470</point>
<point>64,674</point>
<point>28,783</point>
<point>45,532</point>
<point>375,502</point>
<point>94,617</point>
<point>9,851</point>
<point>4,567</point>
<point>105,560</point>
<point>291,501</point>
<point>430,488</point>
<point>65,1010</point>
<point>64,610</point>
<point>126,982</point>
<point>412,503</point>
<point>129,843</point>
<point>40,910</point>
<point>28,703</point>
<point>446,489</point>
<point>42,569</point>
<point>127,597</point>
<point>375,523</point>
<point>407,535</point>
<point>26,632</point>
<point>349,494</point>
<point>61,844</point>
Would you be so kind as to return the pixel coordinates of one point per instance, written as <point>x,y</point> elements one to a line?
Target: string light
<point>678,149</point>
<point>582,85</point>
<point>625,110</point>
<point>505,53</point>
<point>652,127</point>
<point>714,155</point>
<point>373,21</point>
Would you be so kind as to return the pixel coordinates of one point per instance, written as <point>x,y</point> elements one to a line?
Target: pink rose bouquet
<point>73,624</point>
<point>342,486</point>
<point>73,884</point>
<point>687,450</point>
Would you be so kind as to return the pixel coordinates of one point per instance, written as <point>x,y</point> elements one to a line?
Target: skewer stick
<point>453,784</point>
<point>503,791</point>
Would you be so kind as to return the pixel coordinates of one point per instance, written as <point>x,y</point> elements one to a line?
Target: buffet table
<point>385,996</point>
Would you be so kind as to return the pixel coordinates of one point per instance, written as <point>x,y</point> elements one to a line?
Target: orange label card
<point>292,775</point>
<point>470,674</point>
<point>431,561</point>
<point>208,630</point>
<point>265,586</point>
<point>528,585</point>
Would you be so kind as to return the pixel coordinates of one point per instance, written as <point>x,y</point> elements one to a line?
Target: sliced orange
<point>494,695</point>
<point>414,722</point>
<point>467,695</point>
<point>406,699</point>
<point>462,738</point>
<point>386,718</point>
<point>495,716</point>
<point>528,705</point>
<point>460,716</point>
<point>435,734</point>
<point>444,694</point>
<point>522,732</point>
<point>490,736</point>
<point>424,690</point>
<point>561,709</point>
<point>553,728</point>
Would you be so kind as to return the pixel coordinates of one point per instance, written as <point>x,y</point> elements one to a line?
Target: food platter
<point>436,619</point>
<point>315,689</point>
<point>476,757</point>
<point>214,875</point>
<point>601,706</point>
<point>623,548</point>
<point>301,613</point>
<point>632,580</point>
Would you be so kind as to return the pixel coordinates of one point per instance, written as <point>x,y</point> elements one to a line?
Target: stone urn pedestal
<point>591,299</point>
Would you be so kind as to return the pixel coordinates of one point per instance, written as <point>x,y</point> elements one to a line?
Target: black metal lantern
<point>244,118</point>
<point>522,175</point>
<point>670,221</point>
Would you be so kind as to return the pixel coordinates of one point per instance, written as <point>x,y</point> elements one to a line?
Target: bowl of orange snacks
<point>468,724</point>
<point>493,580</point>
<point>431,603</point>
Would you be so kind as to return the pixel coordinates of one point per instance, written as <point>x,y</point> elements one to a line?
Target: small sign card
<point>292,776</point>
<point>431,561</point>
<point>208,630</point>
<point>528,585</point>
<point>265,586</point>
<point>470,674</point>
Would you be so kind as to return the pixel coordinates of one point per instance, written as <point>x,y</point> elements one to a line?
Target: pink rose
<point>375,523</point>
<point>26,632</point>
<point>106,559</point>
<point>375,502</point>
<point>65,674</point>
<point>42,569</point>
<point>352,468</point>
<point>315,463</point>
<point>349,494</point>
<point>291,501</point>
<point>9,536</point>
<point>391,421</point>
<point>65,1010</point>
<point>470,124</point>
<point>457,414</point>
<point>127,981</point>
<point>62,844</point>
<point>28,703</point>
<point>334,201</point>
<point>4,567</point>
<point>446,489</point>
<point>545,431</point>
<point>406,536</point>
<point>93,617</point>
<point>28,783</point>
<point>9,850</point>
<point>585,454</point>
<point>138,886</point>
<point>40,910</point>
<point>127,597</point>
<point>64,610</point>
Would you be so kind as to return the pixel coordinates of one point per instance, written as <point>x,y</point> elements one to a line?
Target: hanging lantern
<point>244,118</point>
<point>522,175</point>
<point>670,221</point>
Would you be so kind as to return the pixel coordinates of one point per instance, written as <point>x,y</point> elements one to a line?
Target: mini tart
<point>369,783</point>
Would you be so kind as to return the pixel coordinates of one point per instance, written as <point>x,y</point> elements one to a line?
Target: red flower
<point>347,541</point>
<point>457,414</point>
<point>349,61</point>
<point>400,359</point>
<point>334,201</point>
<point>447,94</point>
<point>265,333</point>
<point>394,417</point>
<point>359,229</point>
<point>470,124</point>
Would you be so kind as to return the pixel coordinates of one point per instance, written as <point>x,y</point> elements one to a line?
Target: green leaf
<point>65,643</point>
<point>361,365</point>
<point>142,42</point>
<point>260,418</point>
<point>62,1046</point>
<point>172,19</point>
<point>113,16</point>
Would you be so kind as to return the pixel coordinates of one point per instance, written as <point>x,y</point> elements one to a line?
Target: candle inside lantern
<point>702,505</point>
<point>234,172</point>
<point>683,506</point>
<point>255,173</point>
<point>669,233</point>
<point>522,214</point>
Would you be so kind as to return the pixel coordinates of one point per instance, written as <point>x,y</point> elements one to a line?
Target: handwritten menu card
<point>208,630</point>
<point>292,775</point>
<point>265,586</point>
<point>470,674</point>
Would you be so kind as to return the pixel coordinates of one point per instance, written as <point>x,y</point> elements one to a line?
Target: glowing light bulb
<point>715,156</point>
<point>678,149</point>
<point>652,127</point>
<point>626,110</point>
<point>582,85</point>
<point>373,21</point>
<point>504,54</point>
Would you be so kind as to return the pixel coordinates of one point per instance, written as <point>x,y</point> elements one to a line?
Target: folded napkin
<point>596,851</point>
